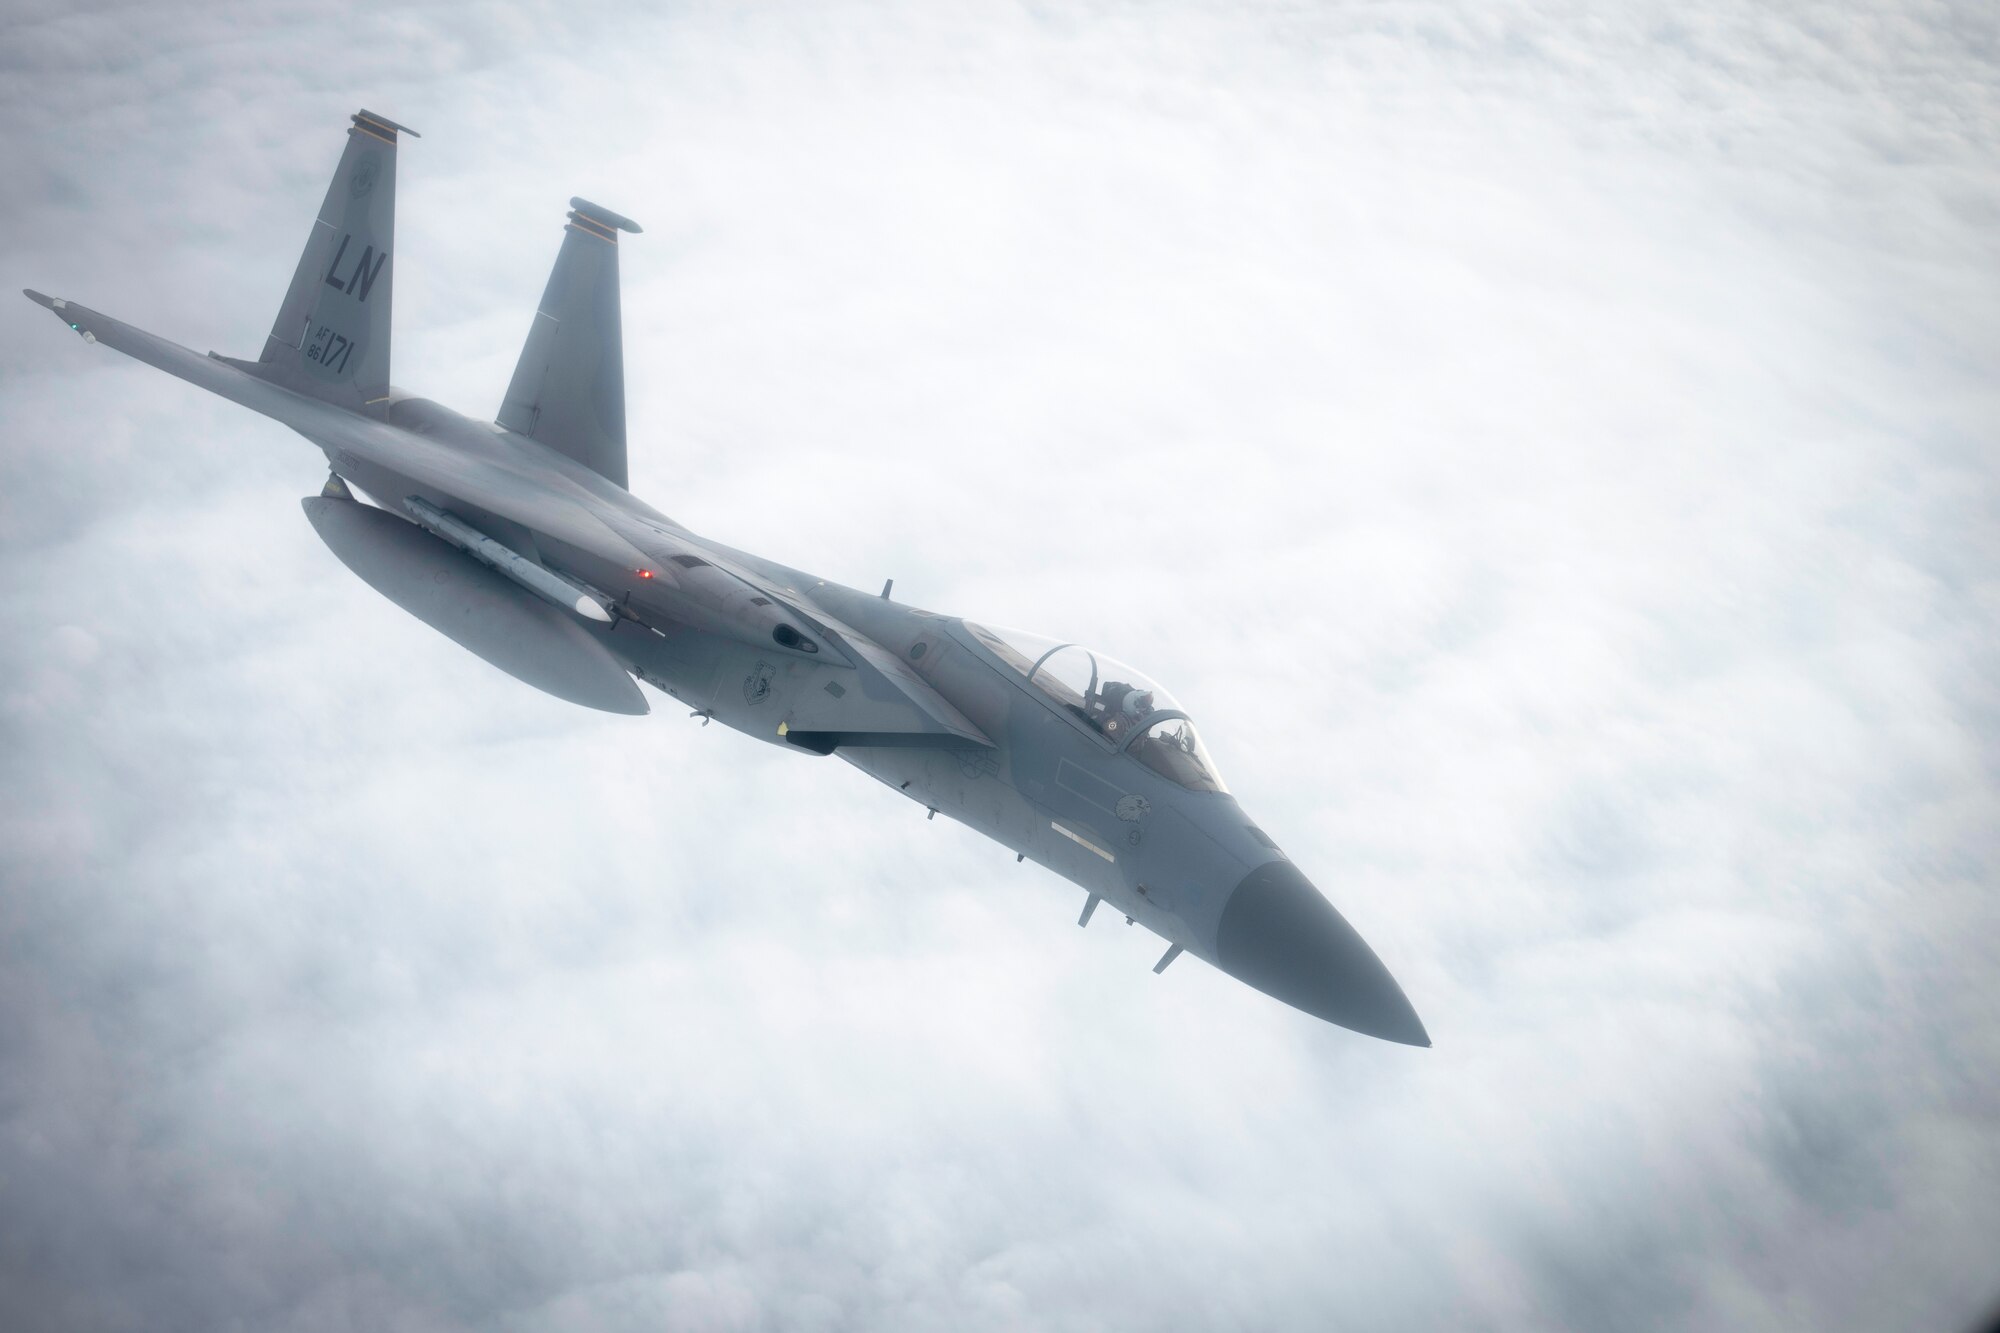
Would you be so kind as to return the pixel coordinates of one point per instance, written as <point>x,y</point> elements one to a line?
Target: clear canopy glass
<point>1171,748</point>
<point>1119,701</point>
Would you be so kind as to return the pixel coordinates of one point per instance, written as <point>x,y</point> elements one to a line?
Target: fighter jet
<point>517,539</point>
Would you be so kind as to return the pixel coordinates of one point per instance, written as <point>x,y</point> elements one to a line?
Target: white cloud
<point>1549,451</point>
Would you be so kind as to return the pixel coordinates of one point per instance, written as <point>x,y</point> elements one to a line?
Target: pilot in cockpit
<point>1118,708</point>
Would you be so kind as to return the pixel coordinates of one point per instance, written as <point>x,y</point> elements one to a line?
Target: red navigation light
<point>645,573</point>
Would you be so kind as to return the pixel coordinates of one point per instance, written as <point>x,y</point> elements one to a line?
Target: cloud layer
<point>1550,451</point>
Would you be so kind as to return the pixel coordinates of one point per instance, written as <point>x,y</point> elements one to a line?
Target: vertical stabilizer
<point>569,389</point>
<point>331,337</point>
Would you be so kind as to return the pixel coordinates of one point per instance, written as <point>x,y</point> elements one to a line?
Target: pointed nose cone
<point>1280,935</point>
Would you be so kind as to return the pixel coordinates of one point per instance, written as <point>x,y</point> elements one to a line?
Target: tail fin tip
<point>381,126</point>
<point>582,210</point>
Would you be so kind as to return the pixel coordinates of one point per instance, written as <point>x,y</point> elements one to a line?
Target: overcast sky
<point>1551,450</point>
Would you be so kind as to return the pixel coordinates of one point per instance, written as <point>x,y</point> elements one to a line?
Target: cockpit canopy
<point>1124,705</point>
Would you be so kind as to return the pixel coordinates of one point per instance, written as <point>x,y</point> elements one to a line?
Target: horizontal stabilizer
<point>568,390</point>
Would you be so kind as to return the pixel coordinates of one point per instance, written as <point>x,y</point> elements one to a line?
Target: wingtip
<point>75,317</point>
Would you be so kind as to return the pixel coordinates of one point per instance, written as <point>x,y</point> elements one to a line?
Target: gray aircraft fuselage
<point>1089,775</point>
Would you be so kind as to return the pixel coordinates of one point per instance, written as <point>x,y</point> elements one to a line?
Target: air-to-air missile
<point>517,539</point>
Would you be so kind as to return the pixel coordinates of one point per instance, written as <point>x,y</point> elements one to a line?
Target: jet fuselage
<point>518,539</point>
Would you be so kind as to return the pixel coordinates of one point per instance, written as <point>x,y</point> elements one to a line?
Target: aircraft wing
<point>691,582</point>
<point>450,473</point>
<point>490,485</point>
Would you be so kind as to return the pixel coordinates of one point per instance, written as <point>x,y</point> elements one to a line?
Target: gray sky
<point>1558,468</point>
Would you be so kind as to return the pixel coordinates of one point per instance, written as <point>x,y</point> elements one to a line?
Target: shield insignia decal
<point>757,685</point>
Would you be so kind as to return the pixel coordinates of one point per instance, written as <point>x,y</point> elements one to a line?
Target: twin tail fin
<point>331,337</point>
<point>568,389</point>
<point>330,340</point>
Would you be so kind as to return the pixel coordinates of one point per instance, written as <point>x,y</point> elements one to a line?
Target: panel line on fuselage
<point>1080,840</point>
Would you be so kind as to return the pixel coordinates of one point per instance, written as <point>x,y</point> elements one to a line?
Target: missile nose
<point>1279,934</point>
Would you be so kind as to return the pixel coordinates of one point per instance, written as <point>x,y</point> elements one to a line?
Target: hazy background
<point>1550,448</point>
